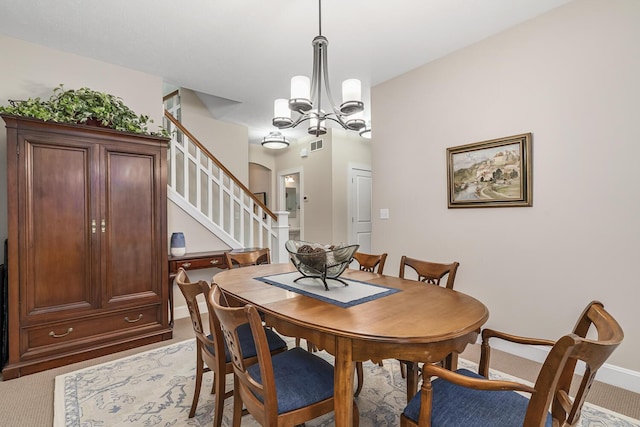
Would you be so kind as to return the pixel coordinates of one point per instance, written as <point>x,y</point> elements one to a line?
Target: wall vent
<point>316,145</point>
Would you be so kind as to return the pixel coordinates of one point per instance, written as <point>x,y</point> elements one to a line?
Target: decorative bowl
<point>320,261</point>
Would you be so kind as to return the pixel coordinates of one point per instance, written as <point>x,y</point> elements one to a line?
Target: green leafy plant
<point>83,106</point>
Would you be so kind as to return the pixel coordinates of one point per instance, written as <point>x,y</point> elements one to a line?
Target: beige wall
<point>318,205</point>
<point>326,181</point>
<point>260,157</point>
<point>260,181</point>
<point>31,70</point>
<point>226,141</point>
<point>197,237</point>
<point>317,185</point>
<point>571,78</point>
<point>349,150</point>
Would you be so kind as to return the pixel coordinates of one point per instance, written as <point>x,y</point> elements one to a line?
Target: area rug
<point>357,292</point>
<point>155,388</point>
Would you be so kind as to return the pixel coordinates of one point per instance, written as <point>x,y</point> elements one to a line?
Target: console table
<point>195,261</point>
<point>192,261</point>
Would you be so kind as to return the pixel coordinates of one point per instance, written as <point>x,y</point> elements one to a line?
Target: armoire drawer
<point>91,326</point>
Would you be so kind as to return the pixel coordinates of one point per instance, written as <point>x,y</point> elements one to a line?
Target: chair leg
<point>356,415</point>
<point>360,376</point>
<point>219,386</point>
<point>237,406</point>
<point>310,346</point>
<point>412,379</point>
<point>403,370</point>
<point>451,362</point>
<point>196,392</point>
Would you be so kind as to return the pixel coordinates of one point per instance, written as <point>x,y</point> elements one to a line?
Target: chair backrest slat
<point>368,262</point>
<point>191,291</point>
<point>551,393</point>
<point>261,399</point>
<point>430,272</point>
<point>554,381</point>
<point>248,257</point>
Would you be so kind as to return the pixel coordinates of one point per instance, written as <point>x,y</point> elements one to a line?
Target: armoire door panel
<point>58,226</point>
<point>131,221</point>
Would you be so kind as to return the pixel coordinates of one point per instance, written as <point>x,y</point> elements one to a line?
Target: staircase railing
<point>202,186</point>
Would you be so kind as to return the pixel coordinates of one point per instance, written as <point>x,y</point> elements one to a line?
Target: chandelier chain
<point>319,17</point>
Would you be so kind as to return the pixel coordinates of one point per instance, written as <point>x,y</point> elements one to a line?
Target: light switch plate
<point>384,213</point>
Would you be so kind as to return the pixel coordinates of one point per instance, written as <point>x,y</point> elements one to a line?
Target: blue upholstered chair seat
<point>301,379</point>
<point>456,406</point>
<point>247,343</point>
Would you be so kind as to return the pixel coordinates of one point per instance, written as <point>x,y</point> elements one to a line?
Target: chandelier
<point>306,96</point>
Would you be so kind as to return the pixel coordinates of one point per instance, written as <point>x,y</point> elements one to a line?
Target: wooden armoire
<point>87,213</point>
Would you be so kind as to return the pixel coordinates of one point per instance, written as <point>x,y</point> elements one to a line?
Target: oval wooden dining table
<point>420,323</point>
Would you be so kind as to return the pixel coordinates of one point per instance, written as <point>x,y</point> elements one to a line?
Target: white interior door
<point>361,194</point>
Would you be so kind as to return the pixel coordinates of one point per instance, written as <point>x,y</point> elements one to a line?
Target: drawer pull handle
<point>53,334</point>
<point>215,261</point>
<point>133,321</point>
<point>93,226</point>
<point>186,265</point>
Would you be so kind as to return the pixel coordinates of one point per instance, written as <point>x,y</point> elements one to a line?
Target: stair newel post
<point>279,254</point>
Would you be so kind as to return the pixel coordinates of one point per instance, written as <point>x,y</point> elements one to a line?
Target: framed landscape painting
<point>495,173</point>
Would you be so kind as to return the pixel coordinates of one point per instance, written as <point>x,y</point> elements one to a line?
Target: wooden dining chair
<point>430,272</point>
<point>284,389</point>
<point>368,262</point>
<point>249,257</point>
<point>464,398</point>
<point>210,345</point>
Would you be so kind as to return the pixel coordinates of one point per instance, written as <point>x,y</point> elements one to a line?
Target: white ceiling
<point>240,54</point>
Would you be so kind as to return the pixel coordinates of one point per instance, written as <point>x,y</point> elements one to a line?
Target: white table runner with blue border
<point>357,292</point>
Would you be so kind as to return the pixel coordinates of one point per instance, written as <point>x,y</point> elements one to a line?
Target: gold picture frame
<point>494,173</point>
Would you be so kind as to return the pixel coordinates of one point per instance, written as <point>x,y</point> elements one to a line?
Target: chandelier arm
<point>327,86</point>
<point>336,119</point>
<point>300,119</point>
<point>317,74</point>
<point>301,112</point>
<point>314,73</point>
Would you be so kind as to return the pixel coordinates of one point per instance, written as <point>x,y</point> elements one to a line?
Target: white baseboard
<point>609,374</point>
<point>182,311</point>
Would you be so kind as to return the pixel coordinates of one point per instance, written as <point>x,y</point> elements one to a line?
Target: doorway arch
<point>292,178</point>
